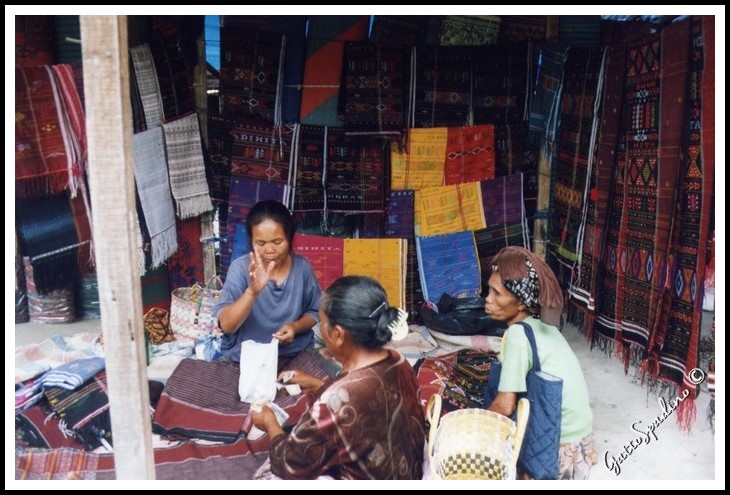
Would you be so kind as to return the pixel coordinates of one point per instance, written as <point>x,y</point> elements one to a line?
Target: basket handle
<point>433,414</point>
<point>523,414</point>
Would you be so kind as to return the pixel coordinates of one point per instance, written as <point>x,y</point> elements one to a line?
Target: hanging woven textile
<point>186,167</point>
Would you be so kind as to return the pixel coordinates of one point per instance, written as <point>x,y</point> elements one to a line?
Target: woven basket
<point>191,312</point>
<point>474,444</point>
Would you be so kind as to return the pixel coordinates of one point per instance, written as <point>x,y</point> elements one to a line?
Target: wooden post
<point>111,184</point>
<point>201,107</point>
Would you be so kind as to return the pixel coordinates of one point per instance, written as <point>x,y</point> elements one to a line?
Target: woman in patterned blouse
<point>368,422</point>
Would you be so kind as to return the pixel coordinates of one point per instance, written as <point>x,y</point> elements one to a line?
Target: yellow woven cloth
<point>382,259</point>
<point>421,164</point>
<point>449,209</point>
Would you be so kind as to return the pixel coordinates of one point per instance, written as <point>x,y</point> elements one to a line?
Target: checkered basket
<point>191,311</point>
<point>474,444</point>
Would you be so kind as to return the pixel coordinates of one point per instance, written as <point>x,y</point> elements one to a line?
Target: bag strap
<point>531,337</point>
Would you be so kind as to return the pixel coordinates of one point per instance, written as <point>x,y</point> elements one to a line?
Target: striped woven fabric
<point>294,27</point>
<point>579,124</point>
<point>66,80</point>
<point>47,155</point>
<point>251,73</point>
<point>374,78</point>
<point>186,167</point>
<point>261,151</point>
<point>448,264</point>
<point>639,220</point>
<point>501,83</point>
<point>147,84</point>
<point>448,209</point>
<point>582,291</point>
<point>675,340</point>
<point>325,255</point>
<point>504,213</point>
<point>545,104</point>
<point>186,265</point>
<point>440,86</point>
<point>469,154</point>
<point>153,188</point>
<point>356,171</point>
<point>472,30</point>
<point>382,259</point>
<point>399,215</point>
<point>201,400</point>
<point>310,168</point>
<point>323,67</point>
<point>421,162</point>
<point>174,76</point>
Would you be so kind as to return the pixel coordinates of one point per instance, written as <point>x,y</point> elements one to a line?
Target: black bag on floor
<point>461,316</point>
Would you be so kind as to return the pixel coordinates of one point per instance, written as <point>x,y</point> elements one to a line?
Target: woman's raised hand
<point>258,274</point>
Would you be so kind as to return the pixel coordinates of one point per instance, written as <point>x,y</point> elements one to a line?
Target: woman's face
<point>270,242</point>
<point>501,304</point>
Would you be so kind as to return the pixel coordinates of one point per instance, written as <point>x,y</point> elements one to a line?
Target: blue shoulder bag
<point>541,446</point>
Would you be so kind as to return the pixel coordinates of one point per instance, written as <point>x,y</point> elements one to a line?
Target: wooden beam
<point>111,184</point>
<point>201,107</point>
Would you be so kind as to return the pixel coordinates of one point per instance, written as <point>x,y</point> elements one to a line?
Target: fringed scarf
<point>187,168</point>
<point>66,79</point>
<point>153,187</point>
<point>147,84</point>
<point>47,155</point>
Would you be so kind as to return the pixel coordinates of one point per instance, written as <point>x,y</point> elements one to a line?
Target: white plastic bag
<point>258,370</point>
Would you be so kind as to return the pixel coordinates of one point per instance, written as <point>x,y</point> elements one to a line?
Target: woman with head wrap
<point>367,423</point>
<point>523,288</point>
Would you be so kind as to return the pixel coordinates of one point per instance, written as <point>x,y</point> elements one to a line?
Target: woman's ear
<point>338,335</point>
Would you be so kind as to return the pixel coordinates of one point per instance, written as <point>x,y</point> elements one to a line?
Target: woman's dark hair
<point>270,209</point>
<point>360,306</point>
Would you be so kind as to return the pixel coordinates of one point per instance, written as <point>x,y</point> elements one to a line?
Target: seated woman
<point>270,292</point>
<point>368,422</point>
<point>523,288</point>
